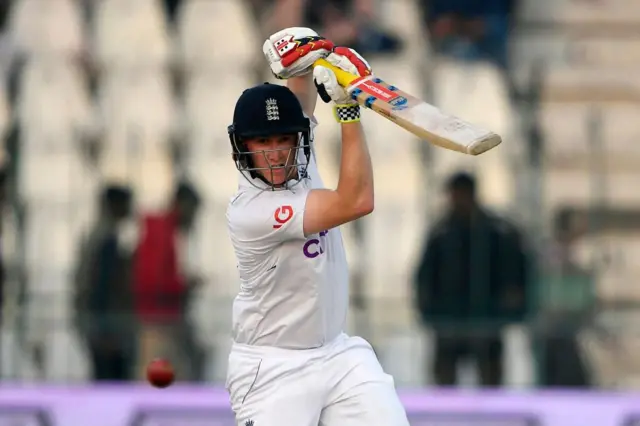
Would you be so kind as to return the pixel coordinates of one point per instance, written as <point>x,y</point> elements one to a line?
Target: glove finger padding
<point>307,45</point>
<point>350,61</point>
<point>325,79</point>
<point>328,87</point>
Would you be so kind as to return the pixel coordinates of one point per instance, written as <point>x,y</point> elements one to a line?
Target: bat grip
<point>344,78</point>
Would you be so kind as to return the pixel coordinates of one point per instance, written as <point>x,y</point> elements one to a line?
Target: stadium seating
<point>137,116</point>
<point>131,34</point>
<point>588,117</point>
<point>568,12</point>
<point>137,102</point>
<point>478,93</point>
<point>5,112</point>
<point>204,39</point>
<point>47,28</point>
<point>53,105</point>
<point>558,48</point>
<point>210,95</point>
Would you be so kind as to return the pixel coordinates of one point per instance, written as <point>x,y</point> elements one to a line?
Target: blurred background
<point>513,269</point>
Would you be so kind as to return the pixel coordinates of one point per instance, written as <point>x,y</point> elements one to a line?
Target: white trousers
<point>339,384</point>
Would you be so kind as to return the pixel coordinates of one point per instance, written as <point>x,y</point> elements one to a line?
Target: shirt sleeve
<point>314,122</point>
<point>269,218</point>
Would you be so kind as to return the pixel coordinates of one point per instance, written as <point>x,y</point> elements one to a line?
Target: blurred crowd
<point>477,274</point>
<point>132,306</point>
<point>351,23</point>
<point>470,30</point>
<point>478,271</point>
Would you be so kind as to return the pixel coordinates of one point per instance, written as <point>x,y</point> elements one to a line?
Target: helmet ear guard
<point>239,153</point>
<point>235,151</point>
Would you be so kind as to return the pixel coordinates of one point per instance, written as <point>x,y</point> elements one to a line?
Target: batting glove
<point>292,51</point>
<point>326,81</point>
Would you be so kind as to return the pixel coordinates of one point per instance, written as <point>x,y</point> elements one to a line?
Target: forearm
<point>305,91</point>
<point>355,182</point>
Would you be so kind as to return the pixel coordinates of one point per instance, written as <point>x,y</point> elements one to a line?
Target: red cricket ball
<point>160,373</point>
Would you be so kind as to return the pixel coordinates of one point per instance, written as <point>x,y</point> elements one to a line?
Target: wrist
<point>346,113</point>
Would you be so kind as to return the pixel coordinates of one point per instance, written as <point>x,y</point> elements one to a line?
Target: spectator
<point>350,23</point>
<point>470,29</point>
<point>566,297</point>
<point>5,8</point>
<point>103,290</point>
<point>470,283</point>
<point>172,8</point>
<point>3,203</point>
<point>164,287</point>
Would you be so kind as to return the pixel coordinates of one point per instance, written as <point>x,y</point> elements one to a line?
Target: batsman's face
<point>274,157</point>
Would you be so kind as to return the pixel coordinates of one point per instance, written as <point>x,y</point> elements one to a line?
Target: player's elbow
<point>357,202</point>
<point>365,205</point>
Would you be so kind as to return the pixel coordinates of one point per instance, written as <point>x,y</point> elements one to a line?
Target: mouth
<point>278,171</point>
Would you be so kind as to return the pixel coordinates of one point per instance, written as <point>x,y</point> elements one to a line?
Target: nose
<point>275,154</point>
<point>272,154</point>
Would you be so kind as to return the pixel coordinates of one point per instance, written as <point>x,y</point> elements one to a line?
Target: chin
<point>274,182</point>
<point>280,180</point>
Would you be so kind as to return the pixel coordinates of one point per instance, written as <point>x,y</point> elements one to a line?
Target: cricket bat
<point>413,114</point>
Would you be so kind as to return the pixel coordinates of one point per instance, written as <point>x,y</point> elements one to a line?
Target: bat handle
<point>344,78</point>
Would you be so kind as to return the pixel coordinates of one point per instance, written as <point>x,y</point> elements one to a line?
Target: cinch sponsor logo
<point>315,246</point>
<point>375,89</point>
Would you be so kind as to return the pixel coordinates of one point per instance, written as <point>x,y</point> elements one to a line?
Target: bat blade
<point>422,119</point>
<point>418,117</point>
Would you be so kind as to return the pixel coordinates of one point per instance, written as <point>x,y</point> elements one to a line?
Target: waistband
<point>272,351</point>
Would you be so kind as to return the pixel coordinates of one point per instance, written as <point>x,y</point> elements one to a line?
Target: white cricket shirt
<point>293,288</point>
